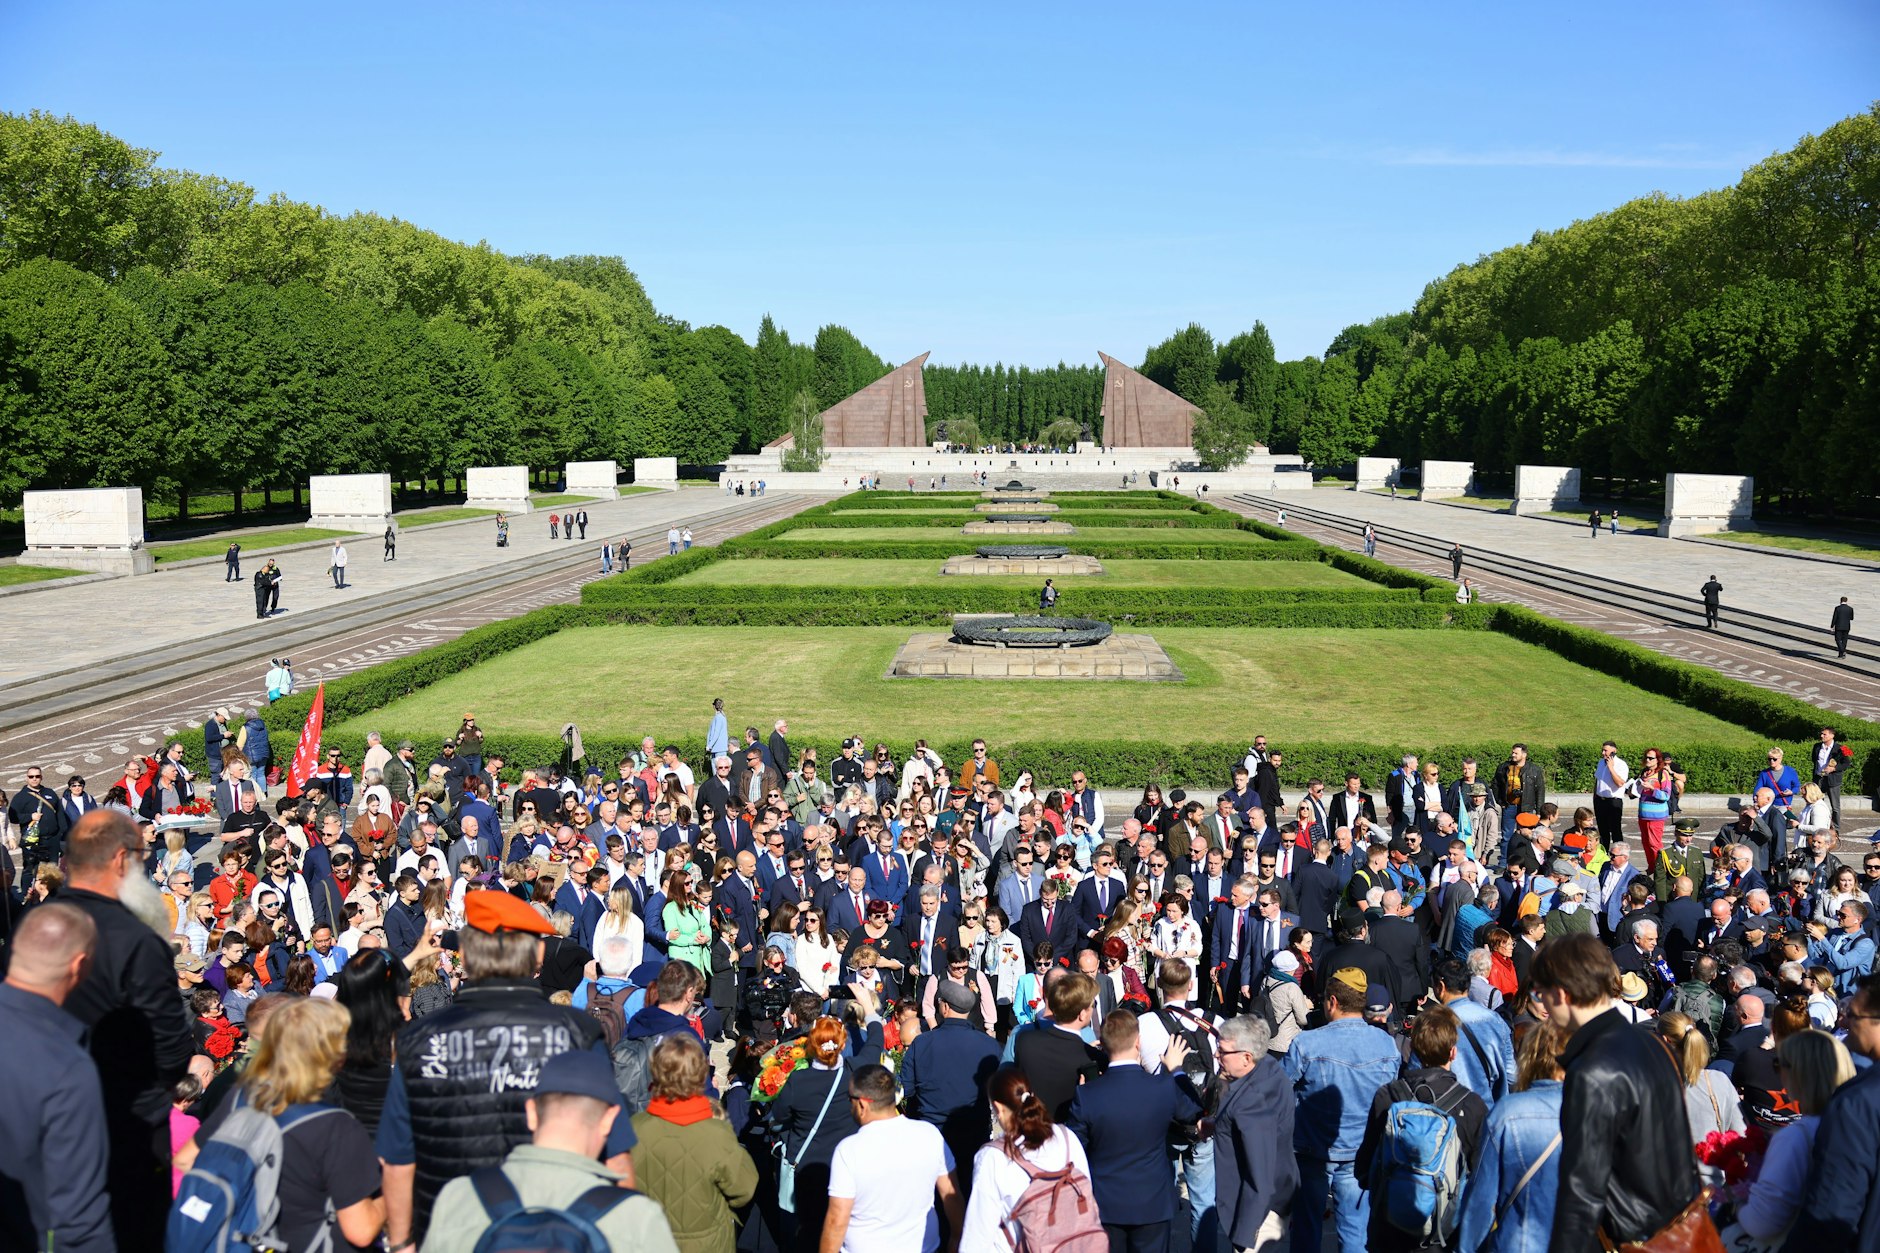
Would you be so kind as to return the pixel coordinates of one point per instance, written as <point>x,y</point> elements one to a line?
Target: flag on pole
<point>307,752</point>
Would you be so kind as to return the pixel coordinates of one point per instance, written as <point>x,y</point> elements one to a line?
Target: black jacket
<point>1408,954</point>
<point>1626,1163</point>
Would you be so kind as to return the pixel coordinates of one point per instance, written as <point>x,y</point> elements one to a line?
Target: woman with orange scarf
<point>688,1158</point>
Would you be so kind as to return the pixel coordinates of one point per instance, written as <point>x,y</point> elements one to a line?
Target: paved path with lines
<point>98,739</point>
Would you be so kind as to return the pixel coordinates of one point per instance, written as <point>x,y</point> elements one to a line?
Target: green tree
<point>1248,367</point>
<point>1329,434</point>
<point>1223,430</point>
<point>806,434</point>
<point>1185,363</point>
<point>770,367</point>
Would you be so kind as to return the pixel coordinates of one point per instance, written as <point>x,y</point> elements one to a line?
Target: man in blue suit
<point>794,887</point>
<point>887,873</point>
<point>1097,895</point>
<point>738,894</point>
<point>584,896</point>
<point>1316,887</point>
<point>1231,941</point>
<point>845,913</point>
<point>1256,1174</point>
<point>1047,919</point>
<point>1022,885</point>
<point>1113,1114</point>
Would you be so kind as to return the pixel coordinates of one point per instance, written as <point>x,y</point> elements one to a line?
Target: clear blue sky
<point>1020,182</point>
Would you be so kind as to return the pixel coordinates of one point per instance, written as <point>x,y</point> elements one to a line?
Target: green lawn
<point>1802,544</point>
<point>12,575</point>
<point>853,572</point>
<point>1304,685</point>
<point>555,502</point>
<point>255,541</point>
<point>449,513</point>
<point>1123,534</point>
<point>1501,503</point>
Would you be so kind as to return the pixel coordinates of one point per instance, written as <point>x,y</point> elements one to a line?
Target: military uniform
<point>1675,861</point>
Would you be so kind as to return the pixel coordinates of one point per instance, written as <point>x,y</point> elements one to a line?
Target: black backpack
<point>1200,1066</point>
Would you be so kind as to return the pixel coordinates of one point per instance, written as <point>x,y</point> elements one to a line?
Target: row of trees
<point>1014,404</point>
<point>1730,332</point>
<point>164,329</point>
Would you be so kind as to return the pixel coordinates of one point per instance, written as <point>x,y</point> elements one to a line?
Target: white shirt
<point>998,1182</point>
<point>1155,1036</point>
<point>1610,776</point>
<point>682,770</point>
<point>888,1169</point>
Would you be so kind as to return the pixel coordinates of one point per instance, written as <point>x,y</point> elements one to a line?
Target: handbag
<point>1690,1232</point>
<point>1501,1211</point>
<point>786,1169</point>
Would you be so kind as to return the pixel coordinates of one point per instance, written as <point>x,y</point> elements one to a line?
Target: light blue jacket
<point>1492,1082</point>
<point>1519,1131</point>
<point>1335,1070</point>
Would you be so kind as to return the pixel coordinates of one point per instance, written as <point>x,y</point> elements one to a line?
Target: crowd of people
<point>884,1002</point>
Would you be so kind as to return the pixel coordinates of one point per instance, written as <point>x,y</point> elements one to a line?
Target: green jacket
<point>550,1178</point>
<point>699,1173</point>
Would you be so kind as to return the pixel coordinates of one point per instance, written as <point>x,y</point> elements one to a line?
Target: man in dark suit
<point>1272,926</point>
<point>1054,1056</point>
<point>1256,1172</point>
<point>1721,924</point>
<point>945,1072</point>
<point>887,873</point>
<point>1048,919</point>
<point>1641,955</point>
<point>793,887</point>
<point>930,932</point>
<point>1098,894</point>
<point>1750,1035</point>
<point>1266,783</point>
<point>1113,1114</point>
<point>848,907</point>
<point>1210,888</point>
<point>1682,916</point>
<point>1841,622</point>
<point>1316,888</point>
<point>735,835</point>
<point>738,895</point>
<point>1231,943</point>
<point>1447,799</point>
<point>1346,807</point>
<point>585,898</point>
<point>1355,949</point>
<point>1401,942</point>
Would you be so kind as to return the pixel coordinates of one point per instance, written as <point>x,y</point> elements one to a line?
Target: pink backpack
<point>1057,1214</point>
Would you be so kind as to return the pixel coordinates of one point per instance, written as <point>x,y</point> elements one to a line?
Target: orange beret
<point>1527,820</point>
<point>490,910</point>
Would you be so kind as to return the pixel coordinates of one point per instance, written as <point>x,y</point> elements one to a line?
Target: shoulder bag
<point>786,1168</point>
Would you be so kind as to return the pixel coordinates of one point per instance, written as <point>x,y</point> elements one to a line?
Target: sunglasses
<point>974,917</point>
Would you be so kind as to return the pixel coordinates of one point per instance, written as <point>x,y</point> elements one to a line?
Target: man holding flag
<point>307,752</point>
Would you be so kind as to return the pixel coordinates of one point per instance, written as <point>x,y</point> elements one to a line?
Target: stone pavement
<point>80,628</point>
<point>1767,582</point>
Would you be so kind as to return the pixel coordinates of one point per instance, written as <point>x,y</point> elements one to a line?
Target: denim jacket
<point>1519,1130</point>
<point>1335,1071</point>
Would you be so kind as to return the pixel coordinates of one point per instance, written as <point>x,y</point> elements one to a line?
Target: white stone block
<point>1447,478</point>
<point>1376,472</point>
<point>351,502</point>
<point>98,528</point>
<point>1543,489</point>
<point>497,487</point>
<point>599,479</point>
<point>1698,504</point>
<point>656,471</point>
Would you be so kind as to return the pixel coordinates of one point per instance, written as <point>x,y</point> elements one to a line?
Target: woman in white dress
<point>620,920</point>
<point>1176,934</point>
<point>998,1179</point>
<point>818,960</point>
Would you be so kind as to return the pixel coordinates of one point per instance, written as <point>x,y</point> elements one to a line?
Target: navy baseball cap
<point>579,1072</point>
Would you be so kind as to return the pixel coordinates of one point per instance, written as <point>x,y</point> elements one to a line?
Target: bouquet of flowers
<point>776,1068</point>
<point>193,809</point>
<point>1065,883</point>
<point>1735,1157</point>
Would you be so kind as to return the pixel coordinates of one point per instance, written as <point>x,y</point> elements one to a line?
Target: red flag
<point>307,752</point>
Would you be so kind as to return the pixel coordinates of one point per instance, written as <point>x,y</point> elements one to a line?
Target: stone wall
<point>1447,478</point>
<point>98,528</point>
<point>497,487</point>
<point>656,471</point>
<point>1374,472</point>
<point>1698,504</point>
<point>1540,489</point>
<point>599,479</point>
<point>351,502</point>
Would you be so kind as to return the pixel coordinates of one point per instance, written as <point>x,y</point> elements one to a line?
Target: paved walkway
<point>80,628</point>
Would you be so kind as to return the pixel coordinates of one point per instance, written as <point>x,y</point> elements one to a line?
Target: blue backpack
<point>229,1202</point>
<point>1417,1175</point>
<point>518,1228</point>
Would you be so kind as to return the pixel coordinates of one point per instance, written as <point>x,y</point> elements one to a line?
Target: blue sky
<point>1017,182</point>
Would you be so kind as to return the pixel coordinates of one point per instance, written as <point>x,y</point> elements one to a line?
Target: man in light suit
<point>1022,886</point>
<point>1048,919</point>
<point>1110,1113</point>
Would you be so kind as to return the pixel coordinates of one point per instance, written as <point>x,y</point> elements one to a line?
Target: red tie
<point>859,915</point>
<point>1047,920</point>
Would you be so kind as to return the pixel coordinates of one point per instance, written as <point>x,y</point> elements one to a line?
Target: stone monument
<point>1447,478</point>
<point>1047,560</point>
<point>351,502</point>
<point>1698,504</point>
<point>100,529</point>
<point>1004,646</point>
<point>599,479</point>
<point>656,472</point>
<point>1546,489</point>
<point>1138,413</point>
<point>497,487</point>
<point>1376,472</point>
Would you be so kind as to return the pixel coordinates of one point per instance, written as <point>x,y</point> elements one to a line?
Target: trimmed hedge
<point>969,595</point>
<point>1087,517</point>
<point>1145,549</point>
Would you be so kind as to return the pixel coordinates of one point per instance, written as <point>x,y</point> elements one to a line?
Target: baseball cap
<point>579,1072</point>
<point>956,996</point>
<point>493,911</point>
<point>1573,887</point>
<point>191,963</point>
<point>1377,999</point>
<point>405,744</point>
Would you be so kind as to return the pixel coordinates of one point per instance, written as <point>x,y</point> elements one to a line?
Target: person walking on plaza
<point>1455,560</point>
<point>554,526</point>
<point>1370,540</point>
<point>672,541</point>
<point>580,520</point>
<point>502,531</point>
<point>685,539</point>
<point>339,566</point>
<point>623,553</point>
<point>1712,593</point>
<point>53,1148</point>
<point>391,543</point>
<point>1256,1175</point>
<point>232,559</point>
<point>1627,1170</point>
<point>1593,522</point>
<point>607,558</point>
<point>1842,624</point>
